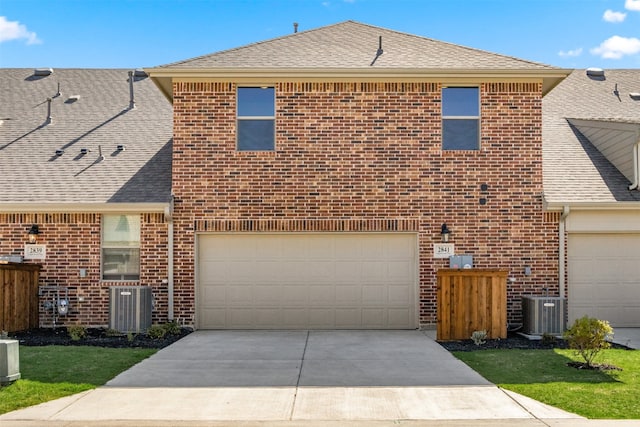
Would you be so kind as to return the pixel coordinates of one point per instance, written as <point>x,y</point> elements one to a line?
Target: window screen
<point>256,119</point>
<point>460,118</point>
<point>121,247</point>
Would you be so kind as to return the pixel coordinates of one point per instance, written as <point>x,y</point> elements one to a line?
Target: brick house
<point>314,173</point>
<point>85,157</point>
<point>591,143</point>
<point>304,181</point>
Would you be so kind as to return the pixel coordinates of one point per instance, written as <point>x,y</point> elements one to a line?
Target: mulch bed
<point>95,337</point>
<point>513,341</point>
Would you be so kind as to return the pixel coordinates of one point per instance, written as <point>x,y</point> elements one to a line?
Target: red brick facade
<point>367,157</point>
<point>73,242</point>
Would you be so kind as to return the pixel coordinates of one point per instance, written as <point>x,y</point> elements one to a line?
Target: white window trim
<point>103,246</point>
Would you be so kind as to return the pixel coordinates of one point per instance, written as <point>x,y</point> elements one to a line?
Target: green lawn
<point>51,372</point>
<point>543,375</point>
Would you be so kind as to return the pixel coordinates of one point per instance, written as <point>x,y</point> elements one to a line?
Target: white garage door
<point>604,278</point>
<point>306,281</point>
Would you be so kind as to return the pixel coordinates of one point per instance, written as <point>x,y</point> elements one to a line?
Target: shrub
<point>112,333</point>
<point>548,339</point>
<point>156,332</point>
<point>479,337</point>
<point>77,332</point>
<point>172,328</point>
<point>588,336</point>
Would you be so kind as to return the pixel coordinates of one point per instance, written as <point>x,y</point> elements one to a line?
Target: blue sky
<point>145,33</point>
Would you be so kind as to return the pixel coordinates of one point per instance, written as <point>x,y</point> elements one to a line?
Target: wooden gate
<point>18,296</point>
<point>471,300</point>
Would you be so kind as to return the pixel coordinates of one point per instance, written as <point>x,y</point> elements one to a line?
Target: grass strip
<point>544,376</point>
<point>52,372</point>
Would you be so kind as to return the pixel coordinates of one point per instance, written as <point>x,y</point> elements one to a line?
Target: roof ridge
<point>361,24</point>
<point>237,48</point>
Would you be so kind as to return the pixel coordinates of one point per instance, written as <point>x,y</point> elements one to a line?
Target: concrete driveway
<point>296,376</point>
<point>301,359</point>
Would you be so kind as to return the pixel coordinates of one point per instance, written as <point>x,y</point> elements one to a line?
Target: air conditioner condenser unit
<point>130,308</point>
<point>543,315</point>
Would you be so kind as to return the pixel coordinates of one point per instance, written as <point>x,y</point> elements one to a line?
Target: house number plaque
<point>35,251</point>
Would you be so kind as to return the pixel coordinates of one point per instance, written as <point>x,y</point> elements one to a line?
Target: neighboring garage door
<point>306,281</point>
<point>604,278</point>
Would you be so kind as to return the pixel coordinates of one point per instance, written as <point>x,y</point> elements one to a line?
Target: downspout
<point>636,166</point>
<point>561,256</point>
<point>168,215</point>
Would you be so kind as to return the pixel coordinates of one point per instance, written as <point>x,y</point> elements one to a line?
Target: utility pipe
<point>636,166</point>
<point>561,255</point>
<point>169,218</point>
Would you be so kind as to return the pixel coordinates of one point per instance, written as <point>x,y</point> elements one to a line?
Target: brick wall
<point>370,153</point>
<point>73,243</point>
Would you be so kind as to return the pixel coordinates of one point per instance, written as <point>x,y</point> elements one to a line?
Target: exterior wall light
<point>445,232</point>
<point>33,234</point>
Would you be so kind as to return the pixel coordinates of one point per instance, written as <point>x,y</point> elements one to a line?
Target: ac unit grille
<point>130,308</point>
<point>543,315</point>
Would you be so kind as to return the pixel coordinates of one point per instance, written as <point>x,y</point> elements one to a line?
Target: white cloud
<point>611,16</point>
<point>574,52</point>
<point>13,30</point>
<point>632,5</point>
<point>616,47</point>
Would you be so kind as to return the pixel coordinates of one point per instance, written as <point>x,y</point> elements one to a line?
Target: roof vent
<point>635,96</point>
<point>595,72</point>
<point>84,151</point>
<point>139,72</point>
<point>42,72</point>
<point>59,153</point>
<point>72,99</point>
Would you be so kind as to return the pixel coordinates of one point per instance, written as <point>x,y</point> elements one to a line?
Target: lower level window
<point>121,247</point>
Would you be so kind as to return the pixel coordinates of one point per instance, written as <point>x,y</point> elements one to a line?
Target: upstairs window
<point>121,247</point>
<point>460,118</point>
<point>256,119</point>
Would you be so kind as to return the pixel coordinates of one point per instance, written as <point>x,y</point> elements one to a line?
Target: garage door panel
<point>398,316</point>
<point>604,277</point>
<point>399,272</point>
<point>376,317</point>
<point>374,295</point>
<point>321,295</point>
<point>303,281</point>
<point>348,318</point>
<point>400,295</point>
<point>294,295</point>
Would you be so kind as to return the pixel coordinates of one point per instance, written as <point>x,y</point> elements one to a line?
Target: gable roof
<point>351,49</point>
<point>590,126</point>
<point>90,112</point>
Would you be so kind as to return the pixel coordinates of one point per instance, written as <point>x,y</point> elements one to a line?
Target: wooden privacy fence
<point>471,300</point>
<point>18,296</point>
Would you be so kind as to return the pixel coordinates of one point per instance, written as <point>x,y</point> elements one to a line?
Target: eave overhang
<point>84,207</point>
<point>591,206</point>
<point>164,77</point>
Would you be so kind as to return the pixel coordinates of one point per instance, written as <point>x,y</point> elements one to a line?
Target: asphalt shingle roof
<point>99,120</point>
<point>574,169</point>
<point>353,45</point>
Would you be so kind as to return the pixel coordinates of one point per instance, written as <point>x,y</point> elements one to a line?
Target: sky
<point>147,33</point>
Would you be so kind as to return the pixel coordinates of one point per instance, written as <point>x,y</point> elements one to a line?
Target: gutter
<point>82,207</point>
<point>578,206</point>
<point>163,77</point>
<point>168,216</point>
<point>636,166</point>
<point>561,253</point>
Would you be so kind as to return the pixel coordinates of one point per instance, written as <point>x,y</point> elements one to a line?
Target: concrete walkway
<point>296,378</point>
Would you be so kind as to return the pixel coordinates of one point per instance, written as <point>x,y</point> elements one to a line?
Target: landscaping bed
<point>513,341</point>
<point>99,337</point>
